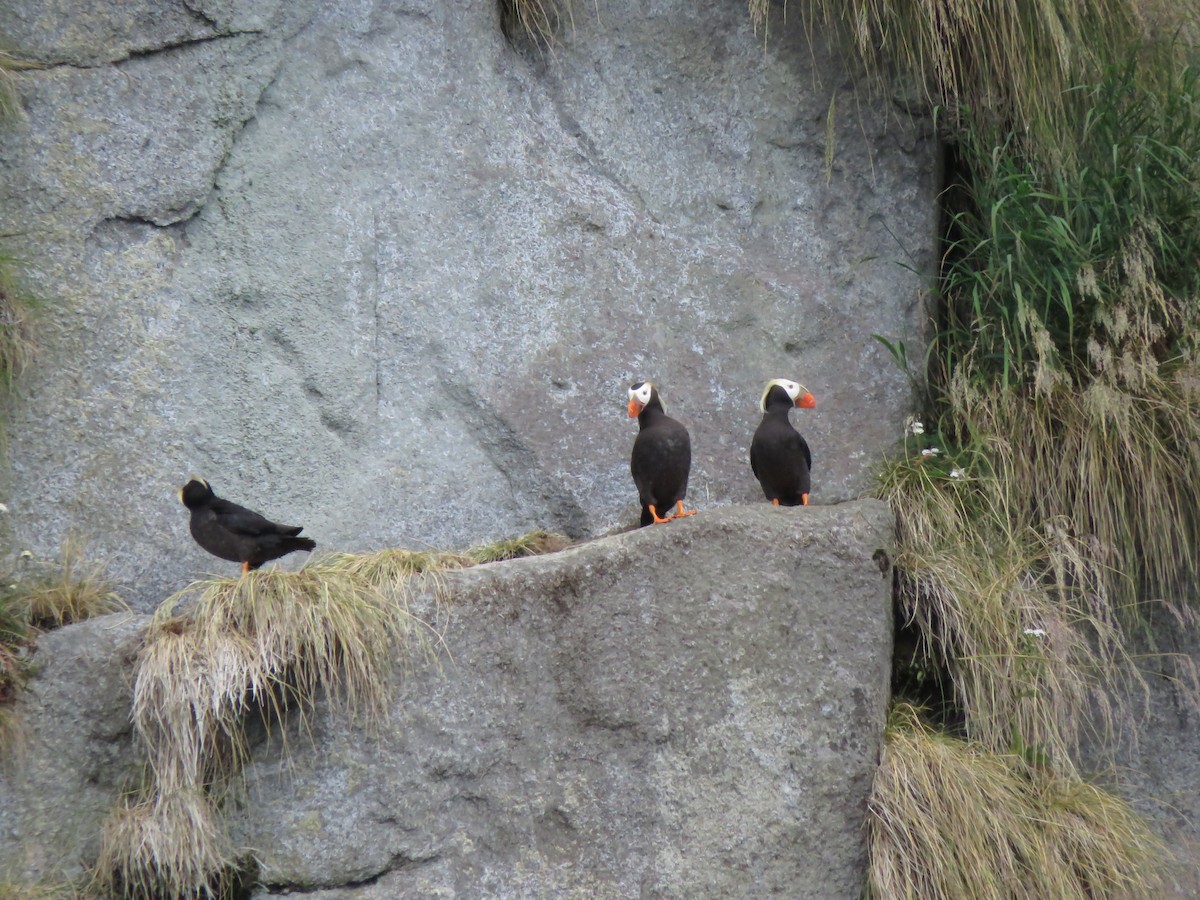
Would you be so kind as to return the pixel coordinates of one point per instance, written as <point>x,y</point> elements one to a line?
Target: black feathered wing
<point>240,520</point>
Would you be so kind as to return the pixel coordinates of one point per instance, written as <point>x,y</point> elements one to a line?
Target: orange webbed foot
<point>775,502</point>
<point>804,499</point>
<point>658,520</point>
<point>680,512</point>
<point>245,567</point>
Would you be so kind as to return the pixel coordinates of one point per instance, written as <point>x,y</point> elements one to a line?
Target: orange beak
<point>808,401</point>
<point>634,408</point>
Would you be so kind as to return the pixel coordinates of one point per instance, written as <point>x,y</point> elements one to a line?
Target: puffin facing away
<point>662,457</point>
<point>779,457</point>
<point>235,533</point>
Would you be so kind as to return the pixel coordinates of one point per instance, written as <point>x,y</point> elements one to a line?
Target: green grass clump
<point>1069,352</point>
<point>948,818</point>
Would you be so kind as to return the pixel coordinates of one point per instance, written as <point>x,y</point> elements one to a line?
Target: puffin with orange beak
<point>661,459</point>
<point>779,456</point>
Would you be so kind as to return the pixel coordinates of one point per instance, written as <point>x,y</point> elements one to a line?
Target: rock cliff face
<point>682,711</point>
<point>370,268</point>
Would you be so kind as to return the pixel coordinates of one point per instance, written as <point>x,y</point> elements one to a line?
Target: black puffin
<point>779,456</point>
<point>235,533</point>
<point>661,459</point>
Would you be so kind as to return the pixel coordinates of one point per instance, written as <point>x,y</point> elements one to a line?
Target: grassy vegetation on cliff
<point>44,890</point>
<point>1064,390</point>
<point>16,304</point>
<point>266,644</point>
<point>537,20</point>
<point>10,99</point>
<point>948,818</point>
<point>40,596</point>
<point>1014,65</point>
<point>1069,352</point>
<point>15,639</point>
<point>1018,616</point>
<point>1054,497</point>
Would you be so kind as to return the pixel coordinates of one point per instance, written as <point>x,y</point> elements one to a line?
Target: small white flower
<point>3,507</point>
<point>26,554</point>
<point>956,472</point>
<point>930,452</point>
<point>1036,632</point>
<point>915,426</point>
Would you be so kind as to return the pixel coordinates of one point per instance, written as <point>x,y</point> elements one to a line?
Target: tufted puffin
<point>235,533</point>
<point>662,456</point>
<point>779,457</point>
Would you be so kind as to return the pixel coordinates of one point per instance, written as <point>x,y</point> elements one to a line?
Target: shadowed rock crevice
<point>149,52</point>
<point>530,482</point>
<point>400,863</point>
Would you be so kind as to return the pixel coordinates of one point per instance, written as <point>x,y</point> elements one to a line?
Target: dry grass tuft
<point>947,818</point>
<point>1014,65</point>
<point>12,732</point>
<point>390,569</point>
<point>39,597</point>
<point>538,20</point>
<point>16,636</point>
<point>267,643</point>
<point>1018,614</point>
<point>262,641</point>
<point>42,890</point>
<point>533,544</point>
<point>66,591</point>
<point>17,348</point>
<point>172,845</point>
<point>10,99</point>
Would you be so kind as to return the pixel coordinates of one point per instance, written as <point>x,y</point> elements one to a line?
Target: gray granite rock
<point>689,710</point>
<point>75,752</point>
<point>373,269</point>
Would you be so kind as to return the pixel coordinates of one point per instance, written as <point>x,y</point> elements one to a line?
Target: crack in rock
<point>398,862</point>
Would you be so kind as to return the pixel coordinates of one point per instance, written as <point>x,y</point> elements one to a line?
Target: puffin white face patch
<point>791,388</point>
<point>640,393</point>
